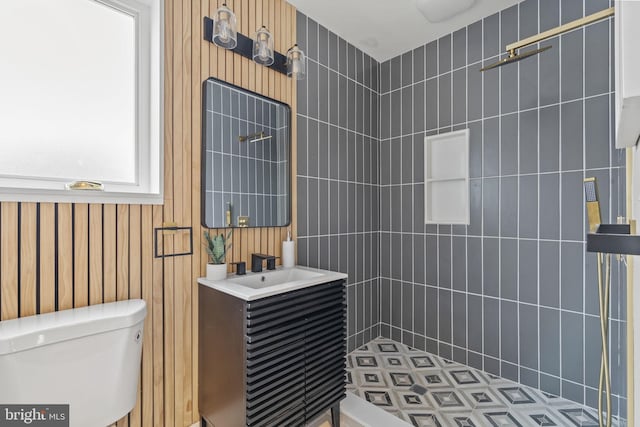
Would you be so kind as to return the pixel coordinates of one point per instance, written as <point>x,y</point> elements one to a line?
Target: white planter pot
<point>216,271</point>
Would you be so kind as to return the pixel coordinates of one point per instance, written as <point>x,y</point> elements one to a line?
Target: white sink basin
<point>277,277</point>
<point>267,283</point>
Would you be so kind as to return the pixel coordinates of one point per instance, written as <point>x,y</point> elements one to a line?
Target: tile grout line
<point>446,368</point>
<point>500,120</point>
<point>497,116</point>
<point>584,255</point>
<point>538,311</point>
<point>440,233</point>
<point>560,216</point>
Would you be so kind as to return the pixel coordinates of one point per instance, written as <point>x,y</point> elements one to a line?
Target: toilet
<point>88,358</point>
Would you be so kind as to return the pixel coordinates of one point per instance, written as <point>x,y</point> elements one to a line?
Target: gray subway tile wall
<point>338,171</point>
<point>514,292</point>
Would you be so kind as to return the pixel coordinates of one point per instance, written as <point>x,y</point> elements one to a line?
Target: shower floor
<point>426,390</point>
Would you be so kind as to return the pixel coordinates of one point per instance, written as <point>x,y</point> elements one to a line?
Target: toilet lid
<point>43,329</point>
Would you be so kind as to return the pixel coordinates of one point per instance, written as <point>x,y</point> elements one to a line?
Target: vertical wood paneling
<point>122,252</point>
<point>65,256</point>
<point>184,345</point>
<point>172,149</point>
<point>9,261</point>
<point>95,254</point>
<point>200,66</point>
<point>109,253</point>
<point>172,109</point>
<point>28,258</point>
<point>80,255</point>
<point>122,266</point>
<point>135,292</point>
<point>229,56</point>
<point>237,59</point>
<point>158,330</point>
<point>60,256</point>
<point>252,25</point>
<point>146,249</point>
<point>47,241</point>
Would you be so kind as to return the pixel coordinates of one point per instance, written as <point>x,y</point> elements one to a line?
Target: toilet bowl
<point>88,358</point>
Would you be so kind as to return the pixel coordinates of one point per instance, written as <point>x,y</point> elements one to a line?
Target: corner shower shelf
<point>614,239</point>
<point>447,178</point>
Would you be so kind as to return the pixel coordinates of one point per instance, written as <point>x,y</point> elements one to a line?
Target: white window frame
<point>148,188</point>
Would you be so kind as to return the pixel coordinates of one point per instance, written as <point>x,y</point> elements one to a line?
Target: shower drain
<point>418,389</point>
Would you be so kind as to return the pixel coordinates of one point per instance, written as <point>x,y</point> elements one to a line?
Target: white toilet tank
<point>87,357</point>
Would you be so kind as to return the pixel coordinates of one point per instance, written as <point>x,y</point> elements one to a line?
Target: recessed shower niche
<point>246,158</point>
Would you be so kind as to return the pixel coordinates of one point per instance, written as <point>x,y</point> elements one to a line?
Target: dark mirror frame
<point>203,169</point>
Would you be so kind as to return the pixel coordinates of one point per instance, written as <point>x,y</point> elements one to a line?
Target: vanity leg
<point>335,415</point>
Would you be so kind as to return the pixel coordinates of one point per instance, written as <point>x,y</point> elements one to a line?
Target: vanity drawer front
<point>293,314</point>
<point>280,415</point>
<point>323,402</point>
<point>273,365</point>
<point>325,363</point>
<point>281,303</point>
<point>295,348</point>
<point>262,381</point>
<point>275,382</point>
<point>283,394</point>
<point>257,347</point>
<point>259,361</point>
<point>274,398</point>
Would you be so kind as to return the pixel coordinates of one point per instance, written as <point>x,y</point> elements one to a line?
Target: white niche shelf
<point>446,186</point>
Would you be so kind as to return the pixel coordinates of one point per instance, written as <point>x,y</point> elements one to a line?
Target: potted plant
<point>217,247</point>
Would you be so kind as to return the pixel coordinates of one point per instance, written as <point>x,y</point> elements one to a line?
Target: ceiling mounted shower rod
<point>512,48</point>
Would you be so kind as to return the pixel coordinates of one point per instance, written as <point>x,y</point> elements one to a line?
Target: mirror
<point>245,158</point>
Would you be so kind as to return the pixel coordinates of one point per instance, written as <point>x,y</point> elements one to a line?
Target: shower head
<point>590,191</point>
<point>513,48</point>
<point>593,205</point>
<point>254,137</point>
<point>515,57</point>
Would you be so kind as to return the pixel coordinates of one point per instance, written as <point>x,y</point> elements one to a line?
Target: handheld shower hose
<point>604,287</point>
<point>604,383</point>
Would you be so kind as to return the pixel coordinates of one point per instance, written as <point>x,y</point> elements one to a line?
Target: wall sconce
<point>296,63</point>
<point>225,28</point>
<point>263,47</point>
<point>222,31</point>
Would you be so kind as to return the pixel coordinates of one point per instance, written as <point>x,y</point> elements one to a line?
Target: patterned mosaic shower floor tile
<point>427,390</point>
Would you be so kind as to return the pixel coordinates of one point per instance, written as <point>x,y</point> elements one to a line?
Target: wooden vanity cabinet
<point>274,361</point>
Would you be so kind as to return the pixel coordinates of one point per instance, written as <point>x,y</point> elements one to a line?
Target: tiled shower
<point>514,293</point>
<point>337,177</point>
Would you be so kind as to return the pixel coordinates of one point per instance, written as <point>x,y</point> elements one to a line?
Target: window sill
<point>79,196</point>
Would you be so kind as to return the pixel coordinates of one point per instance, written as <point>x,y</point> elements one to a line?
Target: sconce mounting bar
<point>244,47</point>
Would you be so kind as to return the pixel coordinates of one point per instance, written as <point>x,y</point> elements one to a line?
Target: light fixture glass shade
<point>263,47</point>
<point>225,28</point>
<point>296,63</point>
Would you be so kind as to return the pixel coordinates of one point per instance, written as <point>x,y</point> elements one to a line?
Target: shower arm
<point>513,47</point>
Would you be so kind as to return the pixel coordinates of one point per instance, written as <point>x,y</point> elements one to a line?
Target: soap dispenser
<point>288,251</point>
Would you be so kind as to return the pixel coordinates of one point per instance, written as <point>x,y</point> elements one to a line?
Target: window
<point>80,100</point>
<point>447,178</point>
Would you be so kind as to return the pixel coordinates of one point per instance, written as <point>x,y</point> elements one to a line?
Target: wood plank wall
<point>59,256</point>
